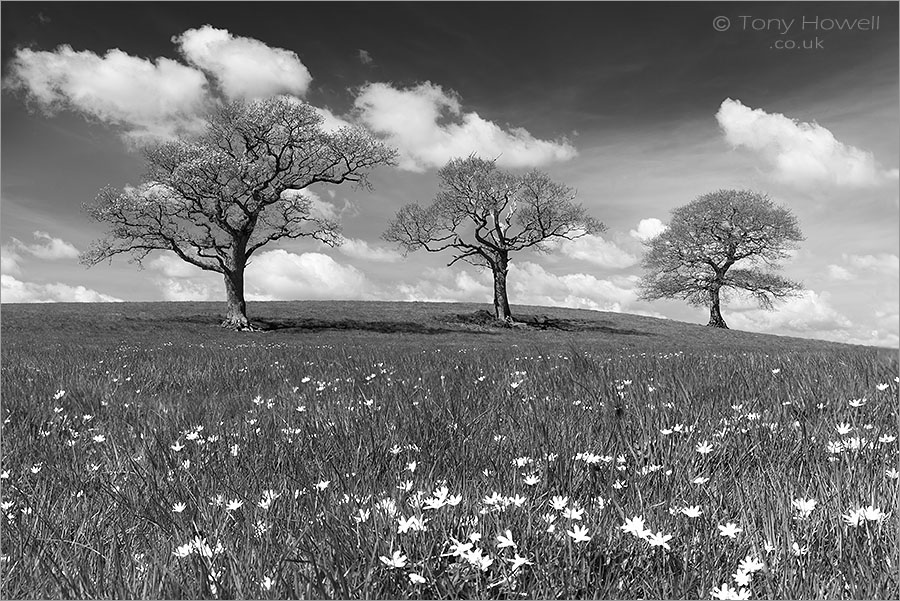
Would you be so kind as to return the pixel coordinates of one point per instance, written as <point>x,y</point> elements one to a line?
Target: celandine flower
<point>730,530</point>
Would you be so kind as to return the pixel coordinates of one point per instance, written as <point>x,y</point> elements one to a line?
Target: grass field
<point>381,450</point>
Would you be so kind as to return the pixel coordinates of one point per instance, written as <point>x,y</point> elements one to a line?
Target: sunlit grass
<point>270,470</point>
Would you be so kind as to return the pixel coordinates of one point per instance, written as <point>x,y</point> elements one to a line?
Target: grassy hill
<point>393,323</point>
<point>411,450</point>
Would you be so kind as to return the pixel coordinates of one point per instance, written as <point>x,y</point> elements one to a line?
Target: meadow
<point>389,450</point>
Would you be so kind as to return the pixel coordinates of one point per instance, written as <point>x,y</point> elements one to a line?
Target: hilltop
<point>381,323</point>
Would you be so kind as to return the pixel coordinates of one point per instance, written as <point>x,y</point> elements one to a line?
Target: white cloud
<point>281,275</point>
<point>596,250</point>
<point>244,67</point>
<point>800,153</point>
<point>364,57</point>
<point>330,121</point>
<point>429,127</point>
<point>318,208</point>
<point>531,284</point>
<point>647,229</point>
<point>527,284</point>
<point>360,249</point>
<point>16,291</point>
<point>9,260</point>
<point>271,275</point>
<point>47,247</point>
<point>444,285</point>
<point>836,272</point>
<point>805,314</point>
<point>149,98</point>
<point>885,263</point>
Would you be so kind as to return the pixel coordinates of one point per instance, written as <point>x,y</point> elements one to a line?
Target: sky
<point>640,107</point>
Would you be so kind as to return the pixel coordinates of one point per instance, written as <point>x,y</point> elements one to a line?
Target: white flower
<point>881,387</point>
<point>506,540</point>
<point>854,517</point>
<point>873,514</point>
<point>798,550</point>
<point>804,506</point>
<point>635,526</point>
<point>742,578</point>
<point>559,503</point>
<point>892,473</point>
<point>700,480</point>
<point>843,428</point>
<point>416,579</point>
<point>725,592</point>
<point>184,550</point>
<point>751,564</point>
<point>179,507</point>
<point>518,562</point>
<point>323,484</point>
<point>857,402</point>
<point>412,523</point>
<point>579,534</point>
<point>531,479</point>
<point>693,511</point>
<point>730,530</point>
<point>99,438</point>
<point>887,438</point>
<point>573,513</point>
<point>395,561</point>
<point>704,447</point>
<point>267,583</point>
<point>659,540</point>
<point>268,497</point>
<point>234,505</point>
<point>459,549</point>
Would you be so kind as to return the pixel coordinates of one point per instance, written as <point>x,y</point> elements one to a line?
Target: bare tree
<point>725,239</point>
<point>217,199</point>
<point>482,214</point>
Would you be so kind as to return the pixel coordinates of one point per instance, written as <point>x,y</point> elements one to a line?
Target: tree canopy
<point>481,214</point>
<point>216,199</point>
<point>728,239</point>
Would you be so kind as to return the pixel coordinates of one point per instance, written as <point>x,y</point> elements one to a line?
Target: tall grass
<point>349,440</point>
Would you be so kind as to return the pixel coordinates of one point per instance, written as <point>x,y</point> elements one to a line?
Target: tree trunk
<point>501,301</point>
<point>715,314</point>
<point>236,317</point>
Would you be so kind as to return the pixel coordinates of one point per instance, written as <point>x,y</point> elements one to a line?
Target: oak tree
<point>728,239</point>
<point>216,199</point>
<point>482,215</point>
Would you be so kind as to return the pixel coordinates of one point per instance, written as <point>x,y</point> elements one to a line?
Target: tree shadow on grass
<point>382,327</point>
<point>542,322</point>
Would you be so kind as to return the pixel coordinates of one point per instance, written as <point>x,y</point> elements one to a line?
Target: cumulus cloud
<point>443,285</point>
<point>647,229</point>
<point>596,250</point>
<point>13,290</point>
<point>244,67</point>
<point>805,314</point>
<point>360,249</point>
<point>148,98</point>
<point>318,207</point>
<point>9,260</point>
<point>330,121</point>
<point>47,247</point>
<point>800,153</point>
<point>836,272</point>
<point>161,98</point>
<point>271,275</point>
<point>528,284</point>
<point>365,57</point>
<point>884,263</point>
<point>531,284</point>
<point>281,275</point>
<point>429,127</point>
